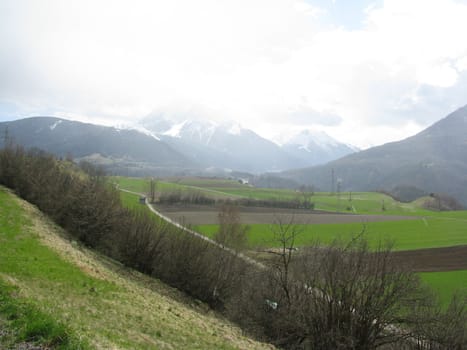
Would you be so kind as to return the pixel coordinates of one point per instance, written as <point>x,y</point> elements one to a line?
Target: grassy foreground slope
<point>100,302</point>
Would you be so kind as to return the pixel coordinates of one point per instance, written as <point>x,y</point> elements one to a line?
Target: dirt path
<point>181,226</point>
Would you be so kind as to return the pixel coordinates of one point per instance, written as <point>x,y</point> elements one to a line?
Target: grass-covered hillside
<point>55,292</point>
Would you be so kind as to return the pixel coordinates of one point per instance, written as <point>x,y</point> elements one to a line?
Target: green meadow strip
<point>25,323</point>
<point>406,235</point>
<point>446,284</point>
<point>347,202</point>
<point>23,258</point>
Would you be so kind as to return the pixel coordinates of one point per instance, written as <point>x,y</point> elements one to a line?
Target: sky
<point>365,71</point>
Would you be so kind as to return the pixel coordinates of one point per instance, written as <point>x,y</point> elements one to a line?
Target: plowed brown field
<point>434,259</point>
<point>205,215</point>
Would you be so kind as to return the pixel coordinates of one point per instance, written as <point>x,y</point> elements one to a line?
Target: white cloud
<point>256,61</point>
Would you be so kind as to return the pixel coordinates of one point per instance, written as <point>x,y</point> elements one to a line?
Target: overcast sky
<point>367,72</point>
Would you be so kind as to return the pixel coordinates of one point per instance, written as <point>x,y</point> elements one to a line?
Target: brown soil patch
<point>205,215</point>
<point>434,259</point>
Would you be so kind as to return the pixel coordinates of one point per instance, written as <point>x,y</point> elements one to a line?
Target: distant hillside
<point>435,160</point>
<point>117,149</point>
<point>100,302</point>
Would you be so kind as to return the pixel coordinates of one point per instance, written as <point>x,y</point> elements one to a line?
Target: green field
<point>135,184</point>
<point>432,229</point>
<point>353,202</point>
<point>409,234</point>
<point>131,200</point>
<point>141,185</point>
<point>446,283</point>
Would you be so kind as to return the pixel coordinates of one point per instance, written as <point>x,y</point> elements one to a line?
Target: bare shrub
<point>342,296</point>
<point>442,202</point>
<point>231,232</point>
<point>443,329</point>
<point>142,240</point>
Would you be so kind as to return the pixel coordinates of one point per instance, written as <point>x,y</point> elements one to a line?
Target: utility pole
<point>332,181</point>
<point>339,182</point>
<point>152,190</point>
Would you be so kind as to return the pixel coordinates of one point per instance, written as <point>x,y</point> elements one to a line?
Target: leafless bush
<point>443,329</point>
<point>344,296</point>
<point>142,241</point>
<point>231,232</point>
<point>442,202</point>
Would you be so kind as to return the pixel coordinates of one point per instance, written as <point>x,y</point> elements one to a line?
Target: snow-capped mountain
<point>314,147</point>
<point>195,130</point>
<point>159,143</point>
<point>120,150</point>
<point>221,145</point>
<point>229,145</point>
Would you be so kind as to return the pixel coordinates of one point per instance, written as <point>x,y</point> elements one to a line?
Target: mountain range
<point>229,145</point>
<point>159,145</point>
<point>434,161</point>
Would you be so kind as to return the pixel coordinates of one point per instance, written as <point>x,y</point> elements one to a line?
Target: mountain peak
<point>307,138</point>
<point>313,147</point>
<point>232,128</point>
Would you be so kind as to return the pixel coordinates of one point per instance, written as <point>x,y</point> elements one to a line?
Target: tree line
<point>342,296</point>
<point>196,197</point>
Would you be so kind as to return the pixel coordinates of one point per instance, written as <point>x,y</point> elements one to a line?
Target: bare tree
<point>284,231</point>
<point>306,192</point>
<point>231,232</point>
<point>344,296</point>
<point>354,298</point>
